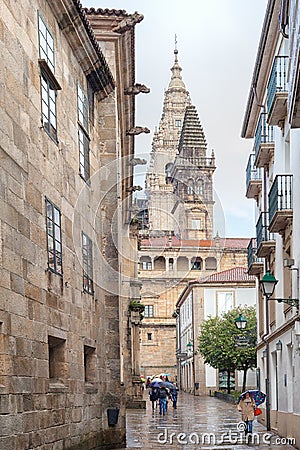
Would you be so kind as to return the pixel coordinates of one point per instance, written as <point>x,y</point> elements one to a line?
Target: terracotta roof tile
<point>235,275</point>
<point>237,243</point>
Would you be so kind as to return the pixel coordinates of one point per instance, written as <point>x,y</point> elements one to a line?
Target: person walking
<point>162,398</point>
<point>153,393</point>
<point>247,406</point>
<point>174,395</point>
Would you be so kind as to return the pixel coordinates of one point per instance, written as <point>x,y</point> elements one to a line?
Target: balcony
<point>281,203</point>
<point>253,179</point>
<point>277,92</point>
<point>255,264</point>
<point>263,142</point>
<point>265,240</point>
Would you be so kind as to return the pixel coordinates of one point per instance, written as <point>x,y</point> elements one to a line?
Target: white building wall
<point>241,296</point>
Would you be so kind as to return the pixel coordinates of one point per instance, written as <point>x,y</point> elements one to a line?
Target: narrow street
<point>198,422</point>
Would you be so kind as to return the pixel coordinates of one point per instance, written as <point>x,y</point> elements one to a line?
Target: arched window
<point>211,263</point>
<point>145,263</point>
<point>159,263</point>
<point>168,170</point>
<point>199,187</point>
<point>190,186</point>
<point>182,264</point>
<point>196,263</point>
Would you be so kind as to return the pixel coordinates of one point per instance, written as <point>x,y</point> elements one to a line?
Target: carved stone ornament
<point>137,161</point>
<point>128,23</point>
<point>134,131</point>
<point>137,89</point>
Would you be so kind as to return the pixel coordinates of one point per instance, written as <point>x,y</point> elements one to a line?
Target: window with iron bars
<point>87,263</point>
<point>149,311</point>
<point>83,134</point>
<point>46,44</point>
<point>54,241</point>
<point>48,87</point>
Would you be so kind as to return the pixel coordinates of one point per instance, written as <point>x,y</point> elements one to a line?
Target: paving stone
<point>198,422</point>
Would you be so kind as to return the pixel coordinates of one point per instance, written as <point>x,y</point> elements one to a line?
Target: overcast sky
<point>217,44</point>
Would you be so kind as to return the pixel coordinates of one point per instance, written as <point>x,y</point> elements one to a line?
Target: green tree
<point>218,347</point>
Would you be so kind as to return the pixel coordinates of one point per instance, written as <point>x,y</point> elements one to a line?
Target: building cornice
<point>72,21</point>
<point>264,59</point>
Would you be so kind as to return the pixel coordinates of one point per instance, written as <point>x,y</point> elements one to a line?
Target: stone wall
<point>59,346</point>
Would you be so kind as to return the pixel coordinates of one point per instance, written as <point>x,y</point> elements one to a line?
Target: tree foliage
<point>217,342</point>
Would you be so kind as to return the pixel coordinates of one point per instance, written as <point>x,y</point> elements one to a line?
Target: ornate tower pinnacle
<point>164,149</point>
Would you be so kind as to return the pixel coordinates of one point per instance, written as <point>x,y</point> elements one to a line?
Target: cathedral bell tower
<point>165,142</point>
<point>191,177</point>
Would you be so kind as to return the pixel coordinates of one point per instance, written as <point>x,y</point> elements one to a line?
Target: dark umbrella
<point>168,385</point>
<point>155,384</point>
<point>258,396</point>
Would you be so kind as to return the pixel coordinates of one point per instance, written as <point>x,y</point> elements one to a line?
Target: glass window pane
<point>50,243</point>
<point>42,26</point>
<point>57,233</point>
<point>56,216</point>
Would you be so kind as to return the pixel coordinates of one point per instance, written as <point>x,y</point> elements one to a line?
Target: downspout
<point>193,337</point>
<point>267,267</point>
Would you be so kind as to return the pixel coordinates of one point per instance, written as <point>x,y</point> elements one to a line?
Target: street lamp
<point>189,345</point>
<point>268,283</point>
<point>240,322</point>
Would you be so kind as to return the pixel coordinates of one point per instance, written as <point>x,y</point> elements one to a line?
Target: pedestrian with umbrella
<point>247,406</point>
<point>162,398</point>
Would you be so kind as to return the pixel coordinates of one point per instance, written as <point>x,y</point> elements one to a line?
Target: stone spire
<point>192,143</point>
<point>164,150</point>
<point>176,81</point>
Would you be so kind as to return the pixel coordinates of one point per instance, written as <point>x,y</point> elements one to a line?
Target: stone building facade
<point>66,332</point>
<point>166,266</point>
<point>176,242</point>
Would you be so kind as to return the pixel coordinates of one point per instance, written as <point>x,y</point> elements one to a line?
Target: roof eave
<point>264,59</point>
<point>72,20</point>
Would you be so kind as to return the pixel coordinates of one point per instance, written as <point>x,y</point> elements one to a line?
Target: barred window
<point>48,93</point>
<point>54,242</point>
<point>83,109</point>
<point>87,262</point>
<point>84,142</point>
<point>149,311</point>
<point>46,43</point>
<point>84,155</point>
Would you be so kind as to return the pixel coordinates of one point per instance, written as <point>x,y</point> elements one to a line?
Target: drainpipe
<point>193,337</point>
<point>180,350</point>
<point>268,421</point>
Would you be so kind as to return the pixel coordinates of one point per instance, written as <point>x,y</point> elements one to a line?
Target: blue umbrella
<point>258,396</point>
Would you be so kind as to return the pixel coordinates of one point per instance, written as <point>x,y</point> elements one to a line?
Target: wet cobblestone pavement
<point>206,422</point>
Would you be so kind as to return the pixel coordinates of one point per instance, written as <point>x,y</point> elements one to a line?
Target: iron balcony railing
<point>264,133</point>
<point>252,248</point>
<point>252,172</point>
<point>278,79</point>
<point>281,195</point>
<point>262,229</point>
